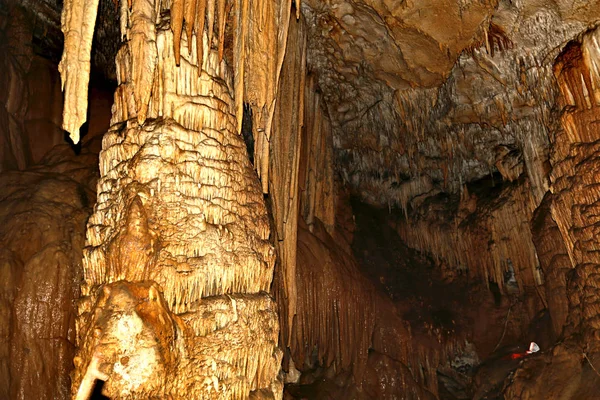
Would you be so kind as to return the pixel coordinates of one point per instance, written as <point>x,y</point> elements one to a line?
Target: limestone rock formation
<point>42,212</point>
<point>180,231</point>
<point>359,199</point>
<point>571,365</point>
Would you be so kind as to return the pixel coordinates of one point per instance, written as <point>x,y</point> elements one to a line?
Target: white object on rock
<point>533,348</point>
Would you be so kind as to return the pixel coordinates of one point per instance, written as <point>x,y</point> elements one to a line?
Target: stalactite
<point>316,173</point>
<point>77,23</point>
<point>190,20</point>
<point>177,14</point>
<point>272,21</point>
<point>200,18</point>
<point>349,325</point>
<point>501,226</point>
<point>143,51</point>
<point>210,19</point>
<point>222,18</point>
<point>284,149</point>
<point>239,55</point>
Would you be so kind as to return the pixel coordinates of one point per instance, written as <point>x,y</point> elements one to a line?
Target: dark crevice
<point>97,392</point>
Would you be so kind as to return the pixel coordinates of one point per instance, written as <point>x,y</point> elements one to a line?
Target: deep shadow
<point>247,131</point>
<point>97,392</point>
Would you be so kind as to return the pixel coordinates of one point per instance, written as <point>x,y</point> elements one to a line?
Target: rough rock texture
<point>449,228</point>
<point>573,175</point>
<point>398,135</point>
<point>177,258</point>
<point>285,149</point>
<point>317,177</point>
<point>554,262</point>
<point>42,217</point>
<point>31,98</point>
<point>445,110</point>
<point>345,324</point>
<point>569,370</point>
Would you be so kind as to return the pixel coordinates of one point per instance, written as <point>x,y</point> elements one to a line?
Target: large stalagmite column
<point>178,259</point>
<point>576,177</point>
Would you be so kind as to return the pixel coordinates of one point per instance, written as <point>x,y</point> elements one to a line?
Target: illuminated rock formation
<point>177,258</point>
<point>227,252</point>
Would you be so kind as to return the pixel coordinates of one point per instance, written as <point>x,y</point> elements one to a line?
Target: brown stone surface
<point>456,117</point>
<point>42,217</point>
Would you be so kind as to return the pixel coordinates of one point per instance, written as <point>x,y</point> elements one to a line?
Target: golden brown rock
<point>77,22</point>
<point>177,13</point>
<point>180,221</point>
<point>284,157</point>
<point>199,25</point>
<point>574,173</point>
<point>554,262</point>
<point>316,176</point>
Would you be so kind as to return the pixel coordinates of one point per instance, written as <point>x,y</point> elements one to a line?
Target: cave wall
<point>573,174</point>
<point>47,195</point>
<point>569,370</point>
<point>31,95</point>
<point>43,212</point>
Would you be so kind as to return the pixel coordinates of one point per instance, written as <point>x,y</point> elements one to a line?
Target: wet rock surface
<point>43,211</point>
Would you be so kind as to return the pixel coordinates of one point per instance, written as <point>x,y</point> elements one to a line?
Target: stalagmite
<point>180,221</point>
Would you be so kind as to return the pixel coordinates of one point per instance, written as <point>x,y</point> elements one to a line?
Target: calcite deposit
<point>42,212</point>
<point>177,256</point>
<point>319,199</point>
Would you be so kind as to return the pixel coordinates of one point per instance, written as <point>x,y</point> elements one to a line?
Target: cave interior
<point>285,199</point>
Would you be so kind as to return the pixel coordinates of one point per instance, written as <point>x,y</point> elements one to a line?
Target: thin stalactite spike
<point>177,27</point>
<point>210,13</point>
<point>222,19</point>
<point>190,20</point>
<point>200,18</point>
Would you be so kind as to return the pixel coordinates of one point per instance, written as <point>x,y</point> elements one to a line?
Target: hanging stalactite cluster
<point>259,36</point>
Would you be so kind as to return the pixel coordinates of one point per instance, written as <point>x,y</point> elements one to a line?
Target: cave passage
<point>349,199</point>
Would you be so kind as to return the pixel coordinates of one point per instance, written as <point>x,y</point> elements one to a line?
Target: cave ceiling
<point>423,96</point>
